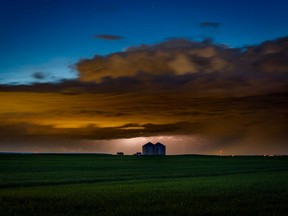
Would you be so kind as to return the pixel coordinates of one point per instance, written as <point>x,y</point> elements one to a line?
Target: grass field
<point>131,185</point>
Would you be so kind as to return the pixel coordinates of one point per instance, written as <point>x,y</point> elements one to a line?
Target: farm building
<point>160,149</point>
<point>151,149</point>
<point>148,149</point>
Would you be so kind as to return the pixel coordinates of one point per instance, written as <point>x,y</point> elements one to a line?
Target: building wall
<point>148,149</point>
<point>151,149</point>
<point>160,149</point>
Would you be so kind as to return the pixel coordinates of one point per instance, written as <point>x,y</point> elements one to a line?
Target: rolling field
<point>131,185</point>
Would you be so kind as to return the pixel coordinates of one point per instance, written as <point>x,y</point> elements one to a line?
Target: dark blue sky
<point>49,35</point>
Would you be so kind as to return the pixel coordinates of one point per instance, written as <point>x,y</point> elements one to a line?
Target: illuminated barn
<point>151,149</point>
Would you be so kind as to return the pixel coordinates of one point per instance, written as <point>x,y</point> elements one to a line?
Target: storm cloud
<point>234,99</point>
<point>180,56</point>
<point>202,68</point>
<point>176,56</point>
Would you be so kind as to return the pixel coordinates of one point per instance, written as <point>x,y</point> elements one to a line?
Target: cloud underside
<point>223,121</point>
<point>178,87</point>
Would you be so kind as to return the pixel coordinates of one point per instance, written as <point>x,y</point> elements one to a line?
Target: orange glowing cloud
<point>231,98</point>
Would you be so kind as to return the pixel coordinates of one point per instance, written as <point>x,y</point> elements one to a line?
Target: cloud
<point>109,37</point>
<point>176,56</point>
<point>39,75</point>
<point>234,99</point>
<point>270,56</point>
<point>214,25</point>
<point>203,67</point>
<point>225,122</point>
<point>180,56</point>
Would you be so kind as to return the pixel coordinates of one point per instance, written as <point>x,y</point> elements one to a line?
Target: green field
<point>131,185</point>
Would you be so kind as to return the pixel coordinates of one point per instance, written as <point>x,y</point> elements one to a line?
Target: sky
<point>104,76</point>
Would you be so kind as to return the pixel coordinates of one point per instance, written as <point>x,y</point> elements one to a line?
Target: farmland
<point>51,184</point>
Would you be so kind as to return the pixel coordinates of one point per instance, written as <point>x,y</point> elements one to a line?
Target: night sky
<point>106,76</point>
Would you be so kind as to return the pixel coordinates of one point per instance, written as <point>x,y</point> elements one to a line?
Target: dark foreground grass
<point>172,185</point>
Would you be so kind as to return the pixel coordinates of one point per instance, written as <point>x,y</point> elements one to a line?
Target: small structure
<point>148,149</point>
<point>120,153</point>
<point>160,149</point>
<point>138,154</point>
<point>151,149</point>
